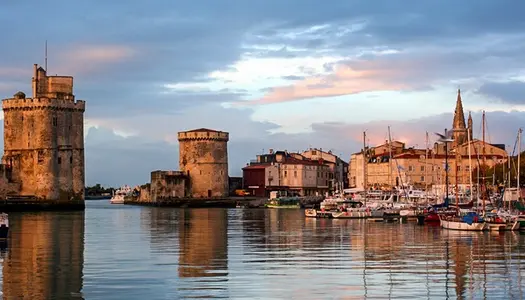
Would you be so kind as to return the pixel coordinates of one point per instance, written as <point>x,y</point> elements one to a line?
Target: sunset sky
<point>275,74</point>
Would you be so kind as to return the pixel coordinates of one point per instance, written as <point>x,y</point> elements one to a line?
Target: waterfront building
<point>283,171</point>
<point>338,168</point>
<point>44,142</point>
<point>393,164</point>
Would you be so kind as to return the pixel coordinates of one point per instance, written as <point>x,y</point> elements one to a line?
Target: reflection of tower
<point>45,257</point>
<point>203,156</point>
<point>203,242</point>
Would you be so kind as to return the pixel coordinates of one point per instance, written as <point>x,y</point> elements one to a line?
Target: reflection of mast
<point>447,265</point>
<point>365,231</point>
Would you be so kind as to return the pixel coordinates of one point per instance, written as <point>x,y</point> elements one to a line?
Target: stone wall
<point>203,157</point>
<point>44,139</point>
<point>167,185</point>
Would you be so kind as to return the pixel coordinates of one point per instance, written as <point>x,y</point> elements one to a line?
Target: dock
<point>222,202</point>
<point>28,203</point>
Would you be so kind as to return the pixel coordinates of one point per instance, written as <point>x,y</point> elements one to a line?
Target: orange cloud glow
<point>344,81</point>
<point>89,58</point>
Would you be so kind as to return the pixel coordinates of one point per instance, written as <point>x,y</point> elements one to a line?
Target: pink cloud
<point>345,80</point>
<point>90,58</point>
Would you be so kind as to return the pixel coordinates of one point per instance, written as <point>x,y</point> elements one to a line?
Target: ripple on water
<point>126,252</point>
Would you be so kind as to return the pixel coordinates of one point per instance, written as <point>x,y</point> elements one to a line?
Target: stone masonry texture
<point>203,157</point>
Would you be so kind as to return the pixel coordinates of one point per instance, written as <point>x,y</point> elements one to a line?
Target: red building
<point>254,180</point>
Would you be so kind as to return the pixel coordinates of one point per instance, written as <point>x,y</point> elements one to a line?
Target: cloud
<point>149,70</point>
<point>81,59</point>
<point>512,92</point>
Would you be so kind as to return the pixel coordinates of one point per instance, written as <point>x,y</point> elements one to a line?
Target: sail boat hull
<point>457,225</point>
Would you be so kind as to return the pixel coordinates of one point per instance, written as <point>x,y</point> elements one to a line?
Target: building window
<point>71,159</point>
<point>294,173</point>
<point>40,156</point>
<point>422,168</point>
<point>467,168</point>
<point>459,168</point>
<point>55,121</point>
<point>422,178</point>
<point>410,168</point>
<point>59,160</point>
<point>285,173</point>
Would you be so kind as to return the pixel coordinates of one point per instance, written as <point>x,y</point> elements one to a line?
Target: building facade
<point>392,164</point>
<point>203,157</point>
<point>338,168</point>
<point>283,171</point>
<point>44,140</point>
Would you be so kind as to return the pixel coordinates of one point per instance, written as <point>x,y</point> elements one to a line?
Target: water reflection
<point>200,239</point>
<point>44,259</point>
<point>356,258</point>
<point>203,239</point>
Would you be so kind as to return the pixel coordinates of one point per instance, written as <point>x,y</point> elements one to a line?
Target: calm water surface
<point>126,252</point>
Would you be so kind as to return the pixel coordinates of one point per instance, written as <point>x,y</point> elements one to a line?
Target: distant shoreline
<point>97,197</point>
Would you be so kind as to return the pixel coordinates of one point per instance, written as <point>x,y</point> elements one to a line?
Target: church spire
<point>458,124</point>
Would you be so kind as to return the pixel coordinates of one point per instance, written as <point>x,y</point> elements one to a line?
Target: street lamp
<point>446,138</point>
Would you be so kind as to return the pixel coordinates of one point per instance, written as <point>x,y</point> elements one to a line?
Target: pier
<point>218,202</point>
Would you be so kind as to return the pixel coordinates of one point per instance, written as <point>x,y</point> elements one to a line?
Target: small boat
<point>501,223</point>
<point>285,202</point>
<point>282,199</point>
<point>468,222</point>
<point>4,225</point>
<point>121,195</point>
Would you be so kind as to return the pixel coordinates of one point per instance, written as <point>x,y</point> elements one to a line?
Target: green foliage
<point>500,172</point>
<point>97,190</point>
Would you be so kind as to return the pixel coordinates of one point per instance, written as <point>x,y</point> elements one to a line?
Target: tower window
<point>71,160</point>
<point>59,160</point>
<point>55,121</point>
<point>40,156</point>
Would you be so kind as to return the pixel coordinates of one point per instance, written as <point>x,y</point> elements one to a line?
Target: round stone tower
<point>203,156</point>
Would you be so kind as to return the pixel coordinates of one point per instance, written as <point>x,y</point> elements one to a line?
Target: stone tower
<point>203,156</point>
<point>458,125</point>
<point>44,140</point>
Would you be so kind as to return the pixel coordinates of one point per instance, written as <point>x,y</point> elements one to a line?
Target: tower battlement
<point>44,140</point>
<point>203,134</point>
<point>43,103</point>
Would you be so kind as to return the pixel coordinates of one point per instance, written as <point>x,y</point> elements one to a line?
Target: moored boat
<point>121,194</point>
<point>285,202</point>
<point>468,222</point>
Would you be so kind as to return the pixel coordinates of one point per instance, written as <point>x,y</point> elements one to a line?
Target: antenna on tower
<point>45,61</point>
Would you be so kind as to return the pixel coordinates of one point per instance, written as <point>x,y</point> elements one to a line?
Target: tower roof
<point>459,116</point>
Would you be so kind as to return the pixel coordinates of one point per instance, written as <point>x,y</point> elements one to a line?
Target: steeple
<point>460,133</point>
<point>469,125</point>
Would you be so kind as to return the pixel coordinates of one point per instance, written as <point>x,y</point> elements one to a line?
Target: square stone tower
<point>44,140</point>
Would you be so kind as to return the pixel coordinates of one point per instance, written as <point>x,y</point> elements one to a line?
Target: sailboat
<point>470,221</point>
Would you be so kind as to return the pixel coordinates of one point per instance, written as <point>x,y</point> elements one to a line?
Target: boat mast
<point>426,166</point>
<point>470,164</point>
<point>483,191</point>
<point>364,165</point>
<point>519,165</point>
<point>390,161</point>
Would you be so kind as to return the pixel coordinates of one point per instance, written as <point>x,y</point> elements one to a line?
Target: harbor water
<point>131,252</point>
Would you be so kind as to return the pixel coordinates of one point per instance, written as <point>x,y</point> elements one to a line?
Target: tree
<point>500,172</point>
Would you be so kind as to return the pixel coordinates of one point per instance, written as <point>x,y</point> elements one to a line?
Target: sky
<point>286,75</point>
